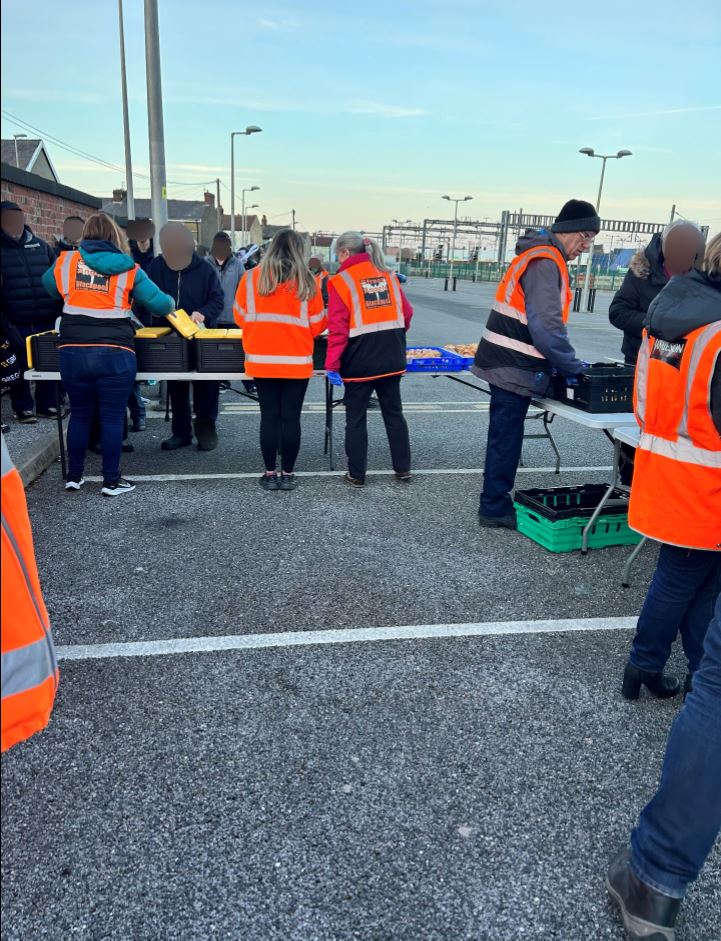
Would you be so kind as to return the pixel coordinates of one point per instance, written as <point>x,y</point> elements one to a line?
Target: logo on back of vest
<point>669,351</point>
<point>376,292</point>
<point>88,280</point>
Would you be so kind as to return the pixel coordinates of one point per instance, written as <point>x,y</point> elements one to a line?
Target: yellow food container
<point>234,333</point>
<point>211,333</point>
<point>152,333</point>
<point>183,324</point>
<point>29,345</point>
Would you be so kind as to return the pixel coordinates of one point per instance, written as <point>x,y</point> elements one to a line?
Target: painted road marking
<point>156,648</point>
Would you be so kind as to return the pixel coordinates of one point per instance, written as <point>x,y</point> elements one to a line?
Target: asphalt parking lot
<point>456,764</point>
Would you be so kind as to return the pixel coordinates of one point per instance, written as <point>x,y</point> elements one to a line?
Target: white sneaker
<point>115,489</point>
<point>72,484</point>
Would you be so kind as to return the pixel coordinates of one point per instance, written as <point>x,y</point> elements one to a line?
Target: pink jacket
<point>339,317</point>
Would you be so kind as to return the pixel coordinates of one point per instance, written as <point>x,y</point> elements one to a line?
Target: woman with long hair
<point>280,310</point>
<point>98,284</point>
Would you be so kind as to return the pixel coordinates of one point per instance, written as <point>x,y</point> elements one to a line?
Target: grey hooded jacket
<point>229,274</point>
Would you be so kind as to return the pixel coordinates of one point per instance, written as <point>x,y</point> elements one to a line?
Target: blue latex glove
<point>572,381</point>
<point>334,378</point>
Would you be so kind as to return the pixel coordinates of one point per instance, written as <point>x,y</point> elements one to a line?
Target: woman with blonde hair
<point>280,310</point>
<point>98,284</point>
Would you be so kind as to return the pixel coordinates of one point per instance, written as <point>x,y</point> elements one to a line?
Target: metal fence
<point>468,271</point>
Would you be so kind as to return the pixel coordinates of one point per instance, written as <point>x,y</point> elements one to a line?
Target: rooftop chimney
<point>119,196</point>
<point>209,198</point>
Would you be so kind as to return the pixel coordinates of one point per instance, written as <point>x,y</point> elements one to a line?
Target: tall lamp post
<point>461,199</point>
<point>251,129</point>
<point>17,156</point>
<point>250,189</point>
<point>590,152</point>
<point>400,239</point>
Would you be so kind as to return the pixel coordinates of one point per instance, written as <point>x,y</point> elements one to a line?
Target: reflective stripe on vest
<point>26,667</point>
<point>291,320</point>
<point>279,360</point>
<point>680,450</point>
<point>358,327</point>
<point>510,344</point>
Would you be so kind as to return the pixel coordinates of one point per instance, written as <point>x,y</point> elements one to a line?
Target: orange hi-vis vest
<point>278,329</point>
<point>90,293</point>
<point>29,669</point>
<point>676,491</point>
<point>507,341</point>
<point>377,328</point>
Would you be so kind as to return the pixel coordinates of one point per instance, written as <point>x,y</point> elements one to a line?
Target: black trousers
<point>281,402</point>
<point>357,396</point>
<point>205,404</point>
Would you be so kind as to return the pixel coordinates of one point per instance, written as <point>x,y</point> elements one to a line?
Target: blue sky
<point>372,111</point>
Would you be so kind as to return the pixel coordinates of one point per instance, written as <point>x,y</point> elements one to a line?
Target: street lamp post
<point>250,189</point>
<point>461,199</point>
<point>251,129</point>
<point>590,152</point>
<point>17,156</point>
<point>400,240</point>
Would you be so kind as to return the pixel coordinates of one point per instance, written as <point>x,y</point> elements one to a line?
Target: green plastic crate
<point>566,535</point>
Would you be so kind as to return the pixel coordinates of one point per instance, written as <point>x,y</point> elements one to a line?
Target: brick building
<point>46,204</point>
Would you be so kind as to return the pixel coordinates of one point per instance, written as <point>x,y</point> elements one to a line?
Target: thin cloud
<point>73,95</point>
<point>660,112</point>
<point>385,110</point>
<point>276,25</point>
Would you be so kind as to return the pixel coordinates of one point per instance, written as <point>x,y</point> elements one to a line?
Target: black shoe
<point>508,521</point>
<point>373,403</point>
<point>5,428</point>
<point>269,482</point>
<point>404,476</point>
<point>660,685</point>
<point>174,442</point>
<point>354,481</point>
<point>127,448</point>
<point>688,685</point>
<point>51,412</point>
<point>647,914</point>
<point>206,434</point>
<point>139,424</point>
<point>26,418</point>
<point>287,482</point>
<point>114,488</point>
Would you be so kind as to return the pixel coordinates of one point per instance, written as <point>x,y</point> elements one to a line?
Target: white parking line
<point>156,648</point>
<point>171,478</point>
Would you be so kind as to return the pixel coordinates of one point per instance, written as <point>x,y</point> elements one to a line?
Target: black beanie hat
<point>577,216</point>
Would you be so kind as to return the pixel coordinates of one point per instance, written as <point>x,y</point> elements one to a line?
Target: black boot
<point>646,913</point>
<point>206,434</point>
<point>659,684</point>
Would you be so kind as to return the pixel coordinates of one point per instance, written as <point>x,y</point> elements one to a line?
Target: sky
<point>373,111</point>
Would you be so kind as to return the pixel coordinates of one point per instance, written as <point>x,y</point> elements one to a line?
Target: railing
<point>468,271</point>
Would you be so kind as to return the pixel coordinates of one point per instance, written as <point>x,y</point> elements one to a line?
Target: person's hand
<point>197,317</point>
<point>334,378</point>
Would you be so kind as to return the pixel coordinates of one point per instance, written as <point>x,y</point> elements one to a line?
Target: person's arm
<point>149,295</point>
<point>338,330</point>
<point>49,282</point>
<point>317,314</point>
<point>625,312</point>
<point>716,394</point>
<point>213,306</point>
<point>541,285</point>
<point>239,308</point>
<point>407,310</point>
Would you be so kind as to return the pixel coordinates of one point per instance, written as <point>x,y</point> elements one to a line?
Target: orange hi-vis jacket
<point>676,491</point>
<point>278,330</point>
<point>377,328</point>
<point>29,669</point>
<point>90,293</point>
<point>507,341</point>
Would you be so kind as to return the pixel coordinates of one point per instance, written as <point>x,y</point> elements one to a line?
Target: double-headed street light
<point>250,189</point>
<point>400,224</point>
<point>251,129</point>
<point>461,199</point>
<point>590,152</point>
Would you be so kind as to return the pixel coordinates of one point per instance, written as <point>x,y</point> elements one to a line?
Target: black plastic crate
<point>171,353</point>
<point>219,354</point>
<point>603,388</point>
<point>561,503</point>
<point>44,351</point>
<point>320,351</point>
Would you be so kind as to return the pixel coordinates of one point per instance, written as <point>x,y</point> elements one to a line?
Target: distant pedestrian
<point>190,281</point>
<point>321,276</point>
<point>140,238</point>
<point>280,311</point>
<point>524,341</point>
<point>99,283</point>
<point>229,269</point>
<point>72,233</point>
<point>26,306</point>
<point>368,318</point>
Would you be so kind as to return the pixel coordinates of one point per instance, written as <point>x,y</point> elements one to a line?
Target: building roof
<point>179,210</point>
<point>250,221</point>
<point>28,151</point>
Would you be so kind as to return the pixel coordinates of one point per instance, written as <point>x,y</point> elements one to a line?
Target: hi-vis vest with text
<point>676,491</point>
<point>377,335</point>
<point>507,341</point>
<point>29,669</point>
<point>90,293</point>
<point>278,329</point>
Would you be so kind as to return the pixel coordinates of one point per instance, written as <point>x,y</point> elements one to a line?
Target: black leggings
<point>281,401</point>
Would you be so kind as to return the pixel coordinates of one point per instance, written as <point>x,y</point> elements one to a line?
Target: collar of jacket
<point>25,239</point>
<point>687,302</point>
<point>104,257</point>
<point>355,260</point>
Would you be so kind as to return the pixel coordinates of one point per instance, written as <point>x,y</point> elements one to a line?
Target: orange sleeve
<point>239,308</point>
<point>318,314</point>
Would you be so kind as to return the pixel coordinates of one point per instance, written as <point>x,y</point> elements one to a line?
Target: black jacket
<point>25,302</point>
<point>644,279</point>
<point>194,288</point>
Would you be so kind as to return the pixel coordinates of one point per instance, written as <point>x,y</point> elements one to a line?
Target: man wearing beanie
<point>524,340</point>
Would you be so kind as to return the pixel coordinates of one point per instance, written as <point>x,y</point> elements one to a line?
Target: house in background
<point>29,154</point>
<point>200,217</point>
<point>250,226</point>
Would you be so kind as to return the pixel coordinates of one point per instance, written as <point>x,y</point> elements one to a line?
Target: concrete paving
<point>464,788</point>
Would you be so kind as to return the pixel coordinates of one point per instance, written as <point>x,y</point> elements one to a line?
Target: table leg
<point>604,499</point>
<point>328,449</point>
<point>631,559</point>
<point>61,434</point>
<point>549,434</point>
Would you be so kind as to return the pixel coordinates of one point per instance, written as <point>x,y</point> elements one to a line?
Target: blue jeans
<point>677,830</point>
<point>98,377</point>
<point>503,450</point>
<point>681,598</point>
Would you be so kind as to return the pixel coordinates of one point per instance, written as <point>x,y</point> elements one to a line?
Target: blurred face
<point>72,230</point>
<point>221,249</point>
<point>682,249</point>
<point>12,222</point>
<point>575,243</point>
<point>177,245</point>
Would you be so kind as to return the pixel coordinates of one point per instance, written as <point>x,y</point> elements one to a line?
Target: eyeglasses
<point>587,236</point>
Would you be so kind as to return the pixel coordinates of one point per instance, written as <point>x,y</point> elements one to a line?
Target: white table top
<point>628,435</point>
<point>599,420</point>
<point>31,374</point>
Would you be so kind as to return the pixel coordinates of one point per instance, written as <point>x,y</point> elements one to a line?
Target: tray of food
<point>466,351</point>
<point>432,359</point>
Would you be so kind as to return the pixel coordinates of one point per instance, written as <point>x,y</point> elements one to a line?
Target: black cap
<point>577,216</point>
<point>7,204</point>
<point>221,236</point>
